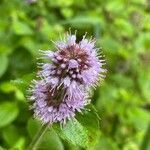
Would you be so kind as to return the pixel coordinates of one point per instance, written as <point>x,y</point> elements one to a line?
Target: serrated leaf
<point>83,131</point>
<point>8,113</point>
<point>74,132</point>
<point>90,121</point>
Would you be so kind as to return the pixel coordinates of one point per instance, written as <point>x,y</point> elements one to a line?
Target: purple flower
<point>57,105</point>
<point>73,61</point>
<point>64,81</point>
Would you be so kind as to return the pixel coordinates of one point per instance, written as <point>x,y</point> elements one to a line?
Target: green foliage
<point>122,29</point>
<point>83,131</point>
<point>8,113</point>
<point>75,133</point>
<point>3,64</point>
<point>50,139</point>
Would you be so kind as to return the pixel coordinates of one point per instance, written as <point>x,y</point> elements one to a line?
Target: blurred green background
<point>122,29</point>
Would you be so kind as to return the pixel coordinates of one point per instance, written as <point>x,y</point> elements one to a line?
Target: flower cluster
<point>64,80</point>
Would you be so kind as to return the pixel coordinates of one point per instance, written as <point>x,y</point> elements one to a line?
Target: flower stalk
<point>38,137</point>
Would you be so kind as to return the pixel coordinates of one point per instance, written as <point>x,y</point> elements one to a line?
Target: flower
<point>65,79</point>
<point>73,61</point>
<point>57,105</point>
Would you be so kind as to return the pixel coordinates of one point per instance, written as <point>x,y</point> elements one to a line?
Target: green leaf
<point>8,113</point>
<point>7,87</point>
<point>144,85</point>
<point>60,3</point>
<point>3,64</point>
<point>66,12</point>
<point>20,144</point>
<point>33,126</point>
<point>21,64</point>
<point>124,27</point>
<point>83,131</point>
<point>83,20</point>
<point>73,132</point>
<point>105,143</point>
<point>1,148</point>
<point>140,122</point>
<point>30,45</point>
<point>131,145</point>
<point>90,120</point>
<point>10,135</point>
<point>24,82</point>
<point>21,28</point>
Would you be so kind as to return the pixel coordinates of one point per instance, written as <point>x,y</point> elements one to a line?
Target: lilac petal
<point>67,81</point>
<point>71,40</point>
<point>73,64</point>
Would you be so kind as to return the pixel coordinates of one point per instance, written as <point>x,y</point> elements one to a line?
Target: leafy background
<point>122,29</point>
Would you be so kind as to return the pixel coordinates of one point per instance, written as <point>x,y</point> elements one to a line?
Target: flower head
<point>57,105</point>
<point>73,61</point>
<point>64,81</point>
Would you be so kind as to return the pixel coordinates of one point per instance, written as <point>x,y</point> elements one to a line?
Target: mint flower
<point>73,62</point>
<point>65,79</point>
<point>56,105</point>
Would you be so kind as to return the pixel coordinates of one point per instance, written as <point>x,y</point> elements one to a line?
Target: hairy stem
<point>38,137</point>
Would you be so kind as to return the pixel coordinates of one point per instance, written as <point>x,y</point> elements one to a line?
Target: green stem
<point>146,139</point>
<point>38,137</point>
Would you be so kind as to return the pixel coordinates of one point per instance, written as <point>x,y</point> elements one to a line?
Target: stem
<point>38,137</point>
<point>146,139</point>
